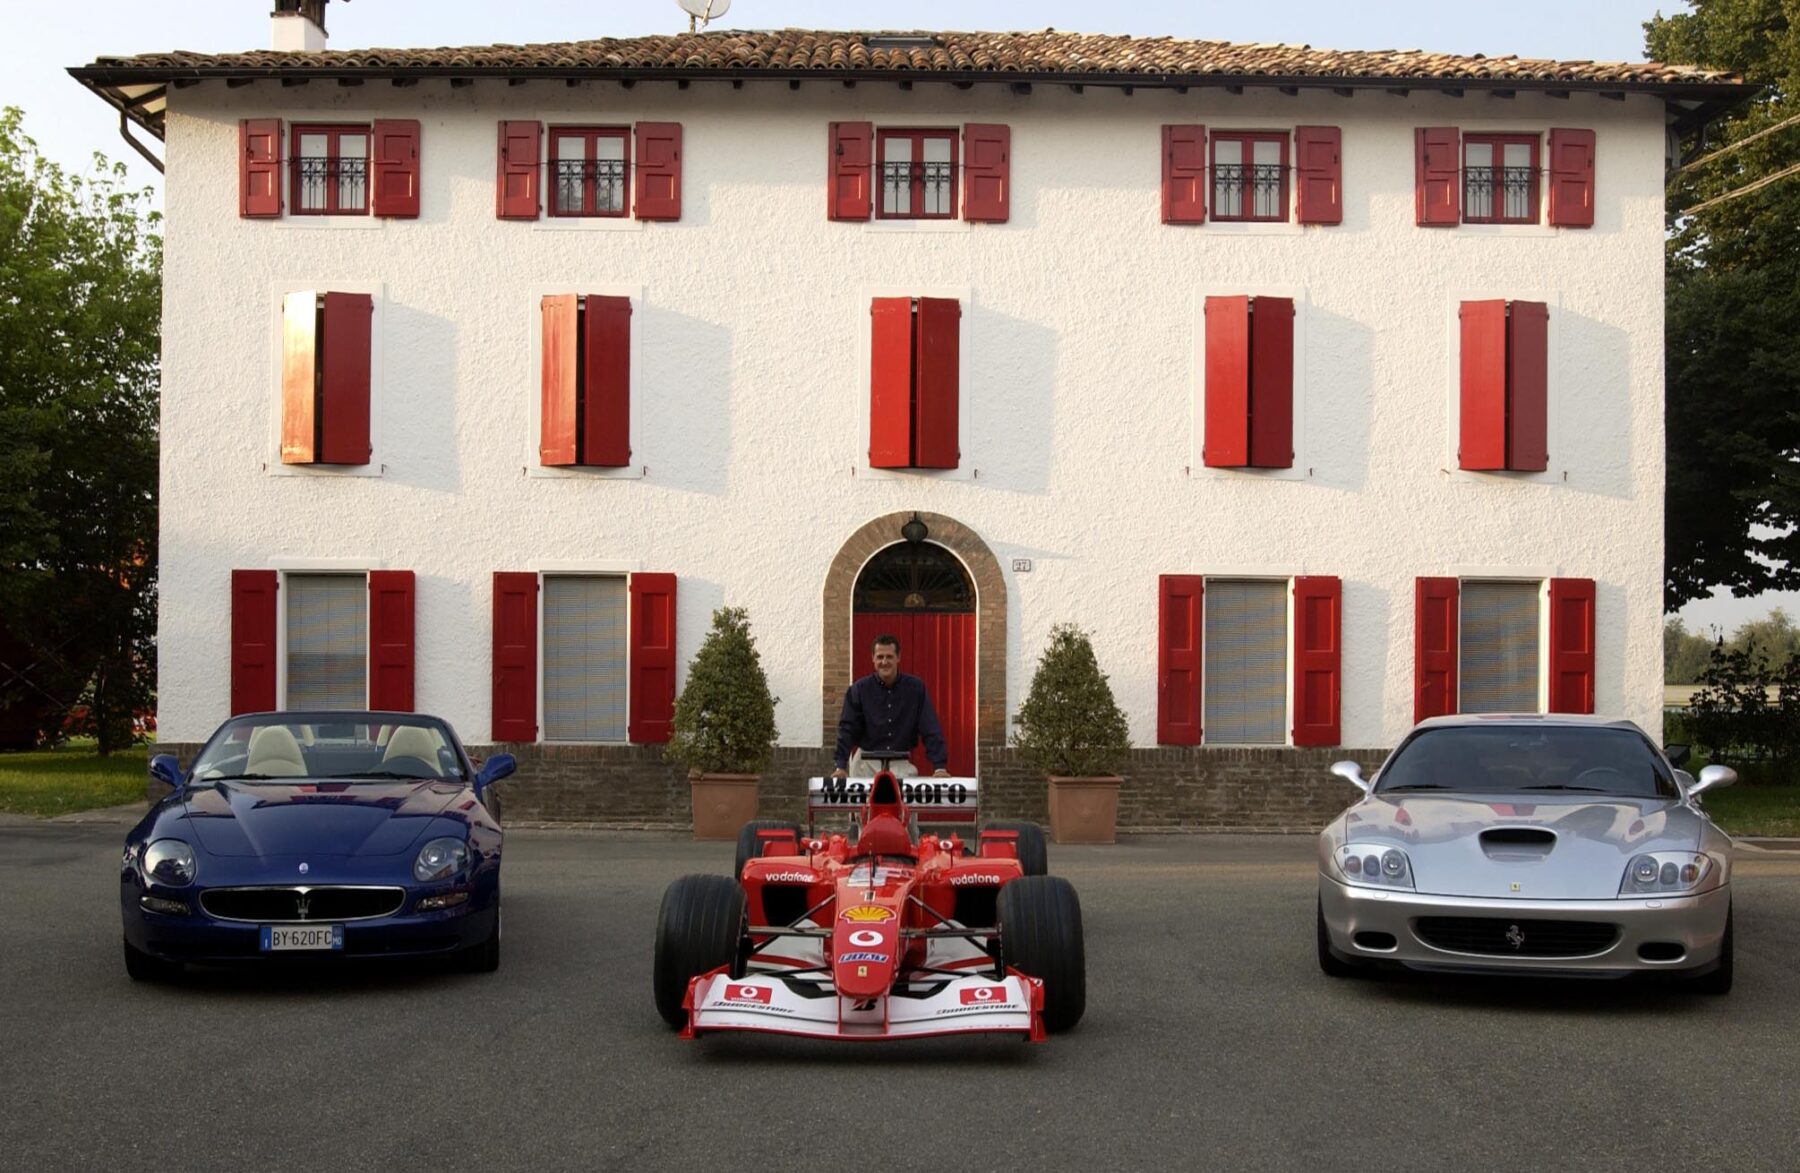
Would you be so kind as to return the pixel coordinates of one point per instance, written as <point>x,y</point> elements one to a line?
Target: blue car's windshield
<point>1539,759</point>
<point>351,747</point>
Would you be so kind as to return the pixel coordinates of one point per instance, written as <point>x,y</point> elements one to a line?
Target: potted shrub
<point>1071,729</point>
<point>723,729</point>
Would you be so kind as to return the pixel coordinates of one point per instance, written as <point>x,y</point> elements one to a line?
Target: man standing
<point>888,712</point>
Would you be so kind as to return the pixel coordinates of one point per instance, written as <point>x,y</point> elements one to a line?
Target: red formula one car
<point>878,933</point>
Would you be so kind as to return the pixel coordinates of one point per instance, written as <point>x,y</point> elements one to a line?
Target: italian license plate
<point>281,938</point>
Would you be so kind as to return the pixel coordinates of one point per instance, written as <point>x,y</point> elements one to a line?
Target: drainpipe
<point>140,148</point>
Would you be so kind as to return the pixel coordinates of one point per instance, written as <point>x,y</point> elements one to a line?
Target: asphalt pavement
<point>1211,1042</point>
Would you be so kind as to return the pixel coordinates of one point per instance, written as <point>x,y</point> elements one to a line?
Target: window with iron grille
<point>1249,175</point>
<point>918,174</point>
<point>327,641</point>
<point>1498,669</point>
<point>330,166</point>
<point>1500,178</point>
<point>589,170</point>
<point>585,658</point>
<point>1245,662</point>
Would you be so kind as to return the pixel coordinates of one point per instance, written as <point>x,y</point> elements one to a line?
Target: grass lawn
<point>72,778</point>
<point>1756,810</point>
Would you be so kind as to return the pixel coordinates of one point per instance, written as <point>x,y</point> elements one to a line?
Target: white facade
<point>1081,381</point>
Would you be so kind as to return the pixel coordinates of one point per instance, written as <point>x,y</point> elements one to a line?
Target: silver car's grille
<point>330,902</point>
<point>1506,937</point>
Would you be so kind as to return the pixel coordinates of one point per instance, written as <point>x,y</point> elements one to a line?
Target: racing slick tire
<point>747,842</point>
<point>1040,935</point>
<point>699,929</point>
<point>144,967</point>
<point>1717,982</point>
<point>1330,964</point>
<point>1034,855</point>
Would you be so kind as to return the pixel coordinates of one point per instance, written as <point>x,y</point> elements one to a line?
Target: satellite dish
<point>703,11</point>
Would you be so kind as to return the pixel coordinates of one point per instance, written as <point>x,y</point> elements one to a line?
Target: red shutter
<point>252,641</point>
<point>1434,646</point>
<point>1272,383</point>
<point>259,167</point>
<point>1437,198</point>
<point>987,171</point>
<point>1178,659</point>
<point>1318,657</point>
<point>935,368</point>
<point>1319,174</point>
<point>515,656</point>
<point>891,383</point>
<point>652,684</point>
<point>1528,386</point>
<point>606,382</point>
<point>344,382</point>
<point>656,187</point>
<point>559,375</point>
<point>517,171</point>
<point>851,168</point>
<point>1571,645</point>
<point>1572,178</point>
<point>395,191</point>
<point>1184,174</point>
<point>299,377</point>
<point>1482,427</point>
<point>1226,443</point>
<point>391,640</point>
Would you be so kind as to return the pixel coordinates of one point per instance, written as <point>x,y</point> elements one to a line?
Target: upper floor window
<point>1249,175</point>
<point>918,174</point>
<point>590,166</point>
<point>1500,178</point>
<point>330,170</point>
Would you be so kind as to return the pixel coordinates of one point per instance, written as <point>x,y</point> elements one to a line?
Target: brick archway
<point>990,618</point>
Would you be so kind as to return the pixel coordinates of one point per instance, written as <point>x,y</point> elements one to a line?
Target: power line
<point>1745,190</point>
<point>1743,142</point>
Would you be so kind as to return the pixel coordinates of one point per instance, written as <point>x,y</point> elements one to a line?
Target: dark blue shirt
<point>878,718</point>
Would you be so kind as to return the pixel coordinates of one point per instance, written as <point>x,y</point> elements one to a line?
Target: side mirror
<point>1711,778</point>
<point>1678,753</point>
<point>1351,773</point>
<point>501,765</point>
<point>165,769</point>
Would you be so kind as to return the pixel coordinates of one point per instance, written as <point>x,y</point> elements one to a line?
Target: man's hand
<point>940,773</point>
<point>839,773</point>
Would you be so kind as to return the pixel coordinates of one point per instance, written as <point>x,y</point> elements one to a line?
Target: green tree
<point>80,336</point>
<point>1685,654</point>
<point>724,720</point>
<point>1069,725</point>
<point>1732,298</point>
<point>1774,639</point>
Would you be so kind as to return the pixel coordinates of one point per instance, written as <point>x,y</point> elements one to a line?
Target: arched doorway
<point>920,593</point>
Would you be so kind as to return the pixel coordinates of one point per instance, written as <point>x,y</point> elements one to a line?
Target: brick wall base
<point>1165,789</point>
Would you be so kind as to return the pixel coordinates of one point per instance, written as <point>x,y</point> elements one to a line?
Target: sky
<point>70,124</point>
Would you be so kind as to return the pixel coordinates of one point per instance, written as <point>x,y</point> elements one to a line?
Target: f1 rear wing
<point>934,800</point>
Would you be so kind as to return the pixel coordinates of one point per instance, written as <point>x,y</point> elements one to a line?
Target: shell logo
<point>867,914</point>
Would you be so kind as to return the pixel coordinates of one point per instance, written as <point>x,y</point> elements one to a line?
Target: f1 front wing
<point>936,1005</point>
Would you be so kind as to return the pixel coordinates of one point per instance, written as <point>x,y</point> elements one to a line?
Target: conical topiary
<point>724,719</point>
<point>1069,725</point>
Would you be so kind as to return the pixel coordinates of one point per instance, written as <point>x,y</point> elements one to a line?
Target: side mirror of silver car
<point>1711,778</point>
<point>1351,773</point>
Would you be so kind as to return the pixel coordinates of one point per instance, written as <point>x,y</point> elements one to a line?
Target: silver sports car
<point>1554,844</point>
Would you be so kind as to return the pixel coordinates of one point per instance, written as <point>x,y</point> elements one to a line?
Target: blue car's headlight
<point>170,862</point>
<point>1374,865</point>
<point>1658,872</point>
<point>440,859</point>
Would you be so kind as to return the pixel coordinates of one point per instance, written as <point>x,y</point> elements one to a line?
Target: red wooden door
<point>939,649</point>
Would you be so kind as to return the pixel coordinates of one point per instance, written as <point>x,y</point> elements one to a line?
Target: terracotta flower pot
<point>723,803</point>
<point>1084,810</point>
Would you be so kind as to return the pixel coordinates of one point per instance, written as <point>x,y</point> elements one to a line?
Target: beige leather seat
<point>274,752</point>
<point>410,741</point>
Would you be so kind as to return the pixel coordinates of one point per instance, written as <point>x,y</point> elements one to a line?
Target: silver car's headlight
<point>1658,872</point>
<point>1374,865</point>
<point>170,862</point>
<point>440,859</point>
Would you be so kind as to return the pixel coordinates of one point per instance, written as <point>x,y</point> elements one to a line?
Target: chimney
<point>299,25</point>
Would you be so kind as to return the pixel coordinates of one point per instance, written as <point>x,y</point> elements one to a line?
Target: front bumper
<point>1665,934</point>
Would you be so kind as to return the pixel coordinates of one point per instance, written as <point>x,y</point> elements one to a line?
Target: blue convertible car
<point>317,835</point>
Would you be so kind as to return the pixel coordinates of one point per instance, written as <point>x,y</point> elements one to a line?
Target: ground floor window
<point>327,641</point>
<point>585,658</point>
<point>1498,656</point>
<point>1245,652</point>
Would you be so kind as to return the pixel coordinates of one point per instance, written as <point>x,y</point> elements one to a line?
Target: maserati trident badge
<point>304,869</point>
<point>1515,937</point>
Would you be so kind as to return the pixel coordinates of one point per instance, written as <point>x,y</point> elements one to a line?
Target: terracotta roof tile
<point>1044,54</point>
